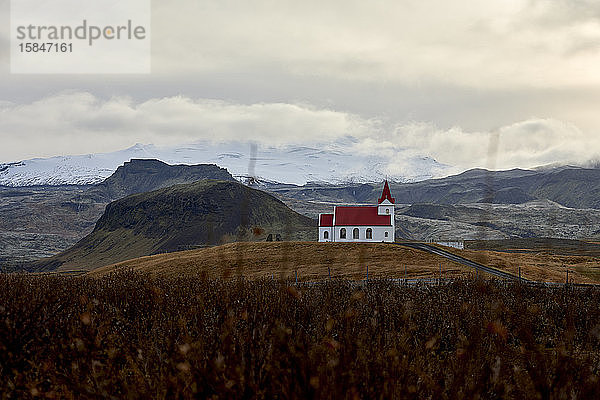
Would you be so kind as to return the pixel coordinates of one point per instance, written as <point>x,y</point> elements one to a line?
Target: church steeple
<point>386,195</point>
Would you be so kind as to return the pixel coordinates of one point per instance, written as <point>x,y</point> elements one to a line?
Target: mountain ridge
<point>145,175</point>
<point>570,187</point>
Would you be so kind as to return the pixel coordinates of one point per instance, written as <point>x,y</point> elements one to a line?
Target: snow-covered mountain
<point>333,163</point>
<point>68,170</point>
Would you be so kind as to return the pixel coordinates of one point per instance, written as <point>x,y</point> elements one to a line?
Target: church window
<point>386,234</point>
<point>387,210</point>
<point>343,233</point>
<point>369,233</point>
<point>355,233</point>
<point>326,235</point>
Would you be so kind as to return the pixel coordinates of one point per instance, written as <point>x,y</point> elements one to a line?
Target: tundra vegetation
<point>133,335</point>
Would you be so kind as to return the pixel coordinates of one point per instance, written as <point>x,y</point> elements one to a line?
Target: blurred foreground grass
<point>131,335</point>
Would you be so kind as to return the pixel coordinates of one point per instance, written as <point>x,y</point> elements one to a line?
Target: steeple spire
<point>386,195</point>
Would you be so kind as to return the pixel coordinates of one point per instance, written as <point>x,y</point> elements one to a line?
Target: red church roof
<point>386,194</point>
<point>326,220</point>
<point>360,216</point>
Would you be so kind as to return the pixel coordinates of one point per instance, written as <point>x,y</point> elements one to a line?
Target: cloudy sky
<point>496,84</point>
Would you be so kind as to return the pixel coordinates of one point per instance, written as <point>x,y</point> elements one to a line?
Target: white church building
<point>360,223</point>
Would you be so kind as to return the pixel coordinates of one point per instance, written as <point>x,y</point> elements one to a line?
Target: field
<point>314,261</point>
<point>538,245</point>
<point>131,335</point>
<point>282,260</point>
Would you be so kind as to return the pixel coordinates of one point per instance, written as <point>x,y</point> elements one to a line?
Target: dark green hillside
<point>179,217</point>
<point>138,176</point>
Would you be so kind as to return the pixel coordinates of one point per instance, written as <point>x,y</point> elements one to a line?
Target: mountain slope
<point>568,186</point>
<point>179,217</point>
<point>40,221</point>
<point>87,169</point>
<point>571,187</point>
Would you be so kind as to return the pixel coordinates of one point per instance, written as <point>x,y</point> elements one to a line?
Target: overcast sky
<point>471,83</point>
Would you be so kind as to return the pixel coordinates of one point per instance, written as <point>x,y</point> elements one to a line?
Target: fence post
<point>329,272</point>
<point>296,277</point>
<point>367,274</point>
<point>519,274</point>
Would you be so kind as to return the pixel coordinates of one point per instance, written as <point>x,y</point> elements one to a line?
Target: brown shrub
<point>132,335</point>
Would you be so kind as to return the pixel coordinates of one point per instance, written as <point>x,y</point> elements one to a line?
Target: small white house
<point>360,223</point>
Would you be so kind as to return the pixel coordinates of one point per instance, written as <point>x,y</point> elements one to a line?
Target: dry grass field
<point>349,261</point>
<point>137,336</point>
<point>283,259</point>
<point>542,266</point>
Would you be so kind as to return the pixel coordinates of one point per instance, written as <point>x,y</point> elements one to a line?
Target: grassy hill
<point>181,217</point>
<point>349,260</point>
<point>283,259</point>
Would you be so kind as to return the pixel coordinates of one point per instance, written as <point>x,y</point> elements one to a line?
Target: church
<point>360,223</point>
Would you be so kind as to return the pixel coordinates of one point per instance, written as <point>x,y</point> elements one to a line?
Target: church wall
<point>378,234</point>
<point>323,229</point>
<point>385,208</point>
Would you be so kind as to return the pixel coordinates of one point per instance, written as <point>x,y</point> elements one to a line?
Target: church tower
<point>386,202</point>
<point>385,206</point>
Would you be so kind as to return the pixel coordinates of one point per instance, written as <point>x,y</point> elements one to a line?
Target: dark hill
<point>431,211</point>
<point>180,217</point>
<point>569,186</point>
<point>573,187</point>
<point>139,176</point>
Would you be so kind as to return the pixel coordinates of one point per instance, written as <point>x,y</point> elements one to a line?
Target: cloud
<point>4,35</point>
<point>492,44</point>
<point>495,44</point>
<point>79,123</point>
<point>477,65</point>
<point>526,144</point>
<point>564,12</point>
